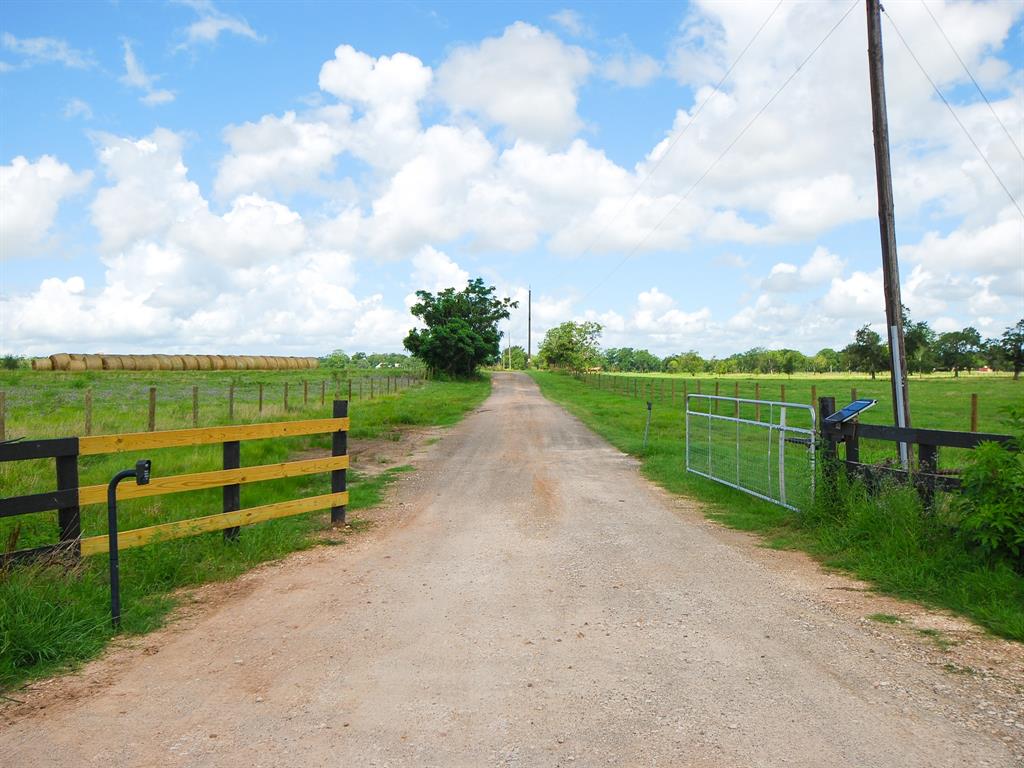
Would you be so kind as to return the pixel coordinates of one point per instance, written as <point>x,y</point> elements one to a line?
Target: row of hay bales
<point>66,362</point>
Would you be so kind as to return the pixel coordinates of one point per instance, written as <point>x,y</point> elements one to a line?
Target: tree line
<point>575,346</point>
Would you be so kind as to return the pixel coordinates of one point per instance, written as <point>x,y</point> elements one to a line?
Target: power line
<point>954,114</point>
<point>682,133</point>
<point>978,87</point>
<point>724,152</point>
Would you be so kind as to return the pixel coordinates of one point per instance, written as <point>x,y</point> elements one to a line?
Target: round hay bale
<point>230,363</point>
<point>60,361</point>
<point>163,362</point>
<point>177,364</point>
<point>314,362</point>
<point>127,362</point>
<point>42,364</point>
<point>74,356</point>
<point>254,362</point>
<point>205,362</point>
<point>146,363</point>
<point>191,363</point>
<point>217,362</point>
<point>111,363</point>
<point>76,365</point>
<point>292,364</point>
<point>93,362</point>
<point>264,362</point>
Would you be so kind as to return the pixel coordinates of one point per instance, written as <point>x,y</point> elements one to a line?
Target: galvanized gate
<point>762,447</point>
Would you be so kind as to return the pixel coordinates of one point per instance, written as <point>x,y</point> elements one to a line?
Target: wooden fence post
<point>305,393</point>
<point>286,397</point>
<point>853,394</point>
<point>339,447</point>
<point>371,387</point>
<point>814,397</point>
<point>323,392</point>
<point>231,404</point>
<point>736,402</point>
<point>782,393</point>
<point>69,519</point>
<point>232,493</point>
<point>152,409</point>
<point>718,383</point>
<point>974,413</point>
<point>757,396</point>
<point>260,397</point>
<point>350,390</point>
<point>698,386</point>
<point>195,405</point>
<point>3,415</point>
<point>88,411</point>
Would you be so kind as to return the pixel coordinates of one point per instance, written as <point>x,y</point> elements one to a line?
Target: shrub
<point>992,498</point>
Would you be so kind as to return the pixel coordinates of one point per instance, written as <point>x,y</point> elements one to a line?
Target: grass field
<point>888,540</point>
<point>51,616</point>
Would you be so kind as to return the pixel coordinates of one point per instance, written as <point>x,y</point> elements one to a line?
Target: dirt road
<point>528,600</point>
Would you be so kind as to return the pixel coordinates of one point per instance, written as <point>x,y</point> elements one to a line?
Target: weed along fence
<point>69,497</point>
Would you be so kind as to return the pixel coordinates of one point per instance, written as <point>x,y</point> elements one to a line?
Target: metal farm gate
<point>762,447</point>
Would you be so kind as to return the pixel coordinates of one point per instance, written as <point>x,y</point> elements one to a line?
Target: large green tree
<point>461,328</point>
<point>1012,344</point>
<point>867,353</point>
<point>958,350</point>
<point>571,345</point>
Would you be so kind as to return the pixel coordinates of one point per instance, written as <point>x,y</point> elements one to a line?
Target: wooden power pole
<point>887,225</point>
<point>529,325</point>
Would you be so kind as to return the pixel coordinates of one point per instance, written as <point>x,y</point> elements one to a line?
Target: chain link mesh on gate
<point>762,447</point>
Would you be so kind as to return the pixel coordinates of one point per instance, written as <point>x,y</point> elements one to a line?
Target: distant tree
<point>514,358</point>
<point>10,362</point>
<point>645,362</point>
<point>461,330</point>
<point>958,350</point>
<point>571,345</point>
<point>337,359</point>
<point>826,360</point>
<point>1012,344</point>
<point>867,353</point>
<point>918,343</point>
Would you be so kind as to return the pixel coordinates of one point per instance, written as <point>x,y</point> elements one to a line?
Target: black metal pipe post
<point>339,447</point>
<point>141,475</point>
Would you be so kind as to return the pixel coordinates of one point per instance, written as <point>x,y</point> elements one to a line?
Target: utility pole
<point>887,225</point>
<point>529,325</point>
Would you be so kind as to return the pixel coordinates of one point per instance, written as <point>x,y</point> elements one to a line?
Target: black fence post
<point>232,493</point>
<point>830,461</point>
<point>339,447</point>
<point>69,519</point>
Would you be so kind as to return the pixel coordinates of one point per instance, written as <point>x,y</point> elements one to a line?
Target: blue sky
<point>280,178</point>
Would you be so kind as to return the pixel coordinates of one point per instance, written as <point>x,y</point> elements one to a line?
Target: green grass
<point>886,539</point>
<point>53,616</point>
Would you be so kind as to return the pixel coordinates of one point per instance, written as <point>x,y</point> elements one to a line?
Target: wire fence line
<point>114,404</point>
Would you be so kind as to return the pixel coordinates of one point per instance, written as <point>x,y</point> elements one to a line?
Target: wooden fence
<point>69,497</point>
<point>925,475</point>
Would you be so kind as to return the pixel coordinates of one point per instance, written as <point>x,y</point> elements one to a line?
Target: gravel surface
<point>528,599</point>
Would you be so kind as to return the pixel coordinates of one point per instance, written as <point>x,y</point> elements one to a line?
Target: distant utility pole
<point>529,326</point>
<point>887,225</point>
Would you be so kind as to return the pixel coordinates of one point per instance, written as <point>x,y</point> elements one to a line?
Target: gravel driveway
<point>528,599</point>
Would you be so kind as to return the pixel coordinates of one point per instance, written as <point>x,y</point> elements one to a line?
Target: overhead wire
<point>973,80</point>
<point>636,247</point>
<point>956,117</point>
